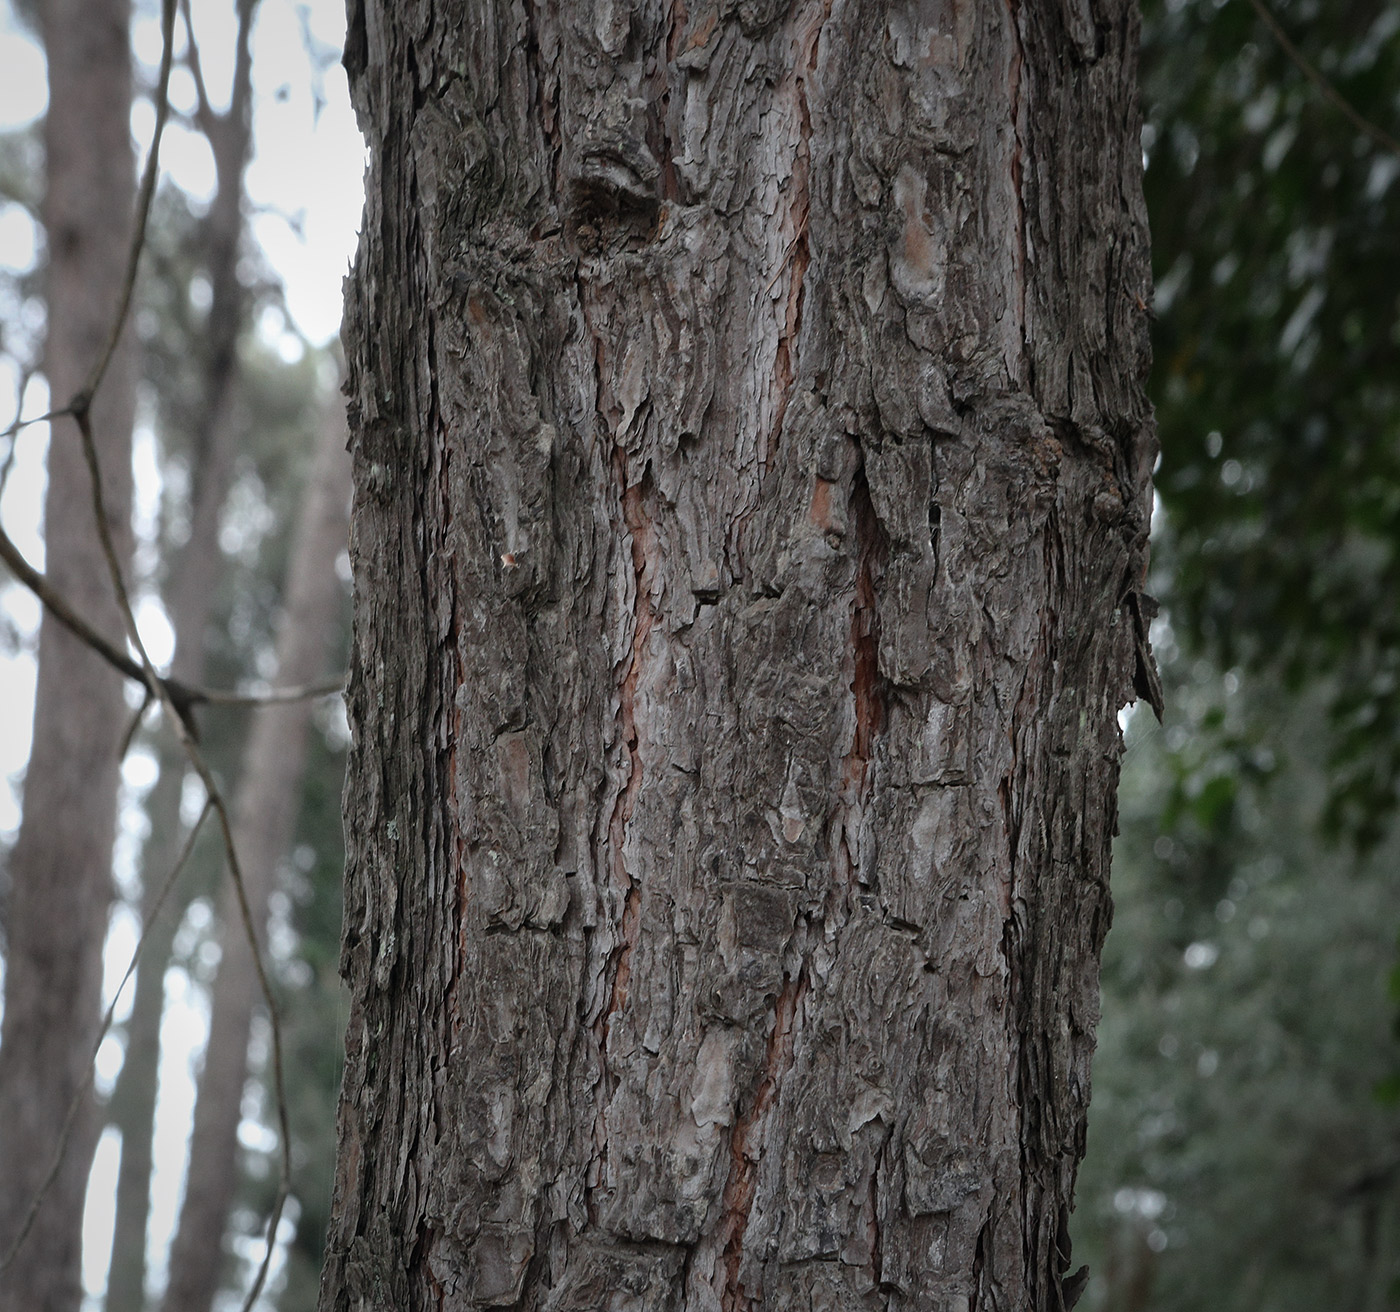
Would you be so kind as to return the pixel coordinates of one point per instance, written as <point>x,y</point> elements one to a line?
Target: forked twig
<point>81,403</point>
<point>160,689</point>
<point>184,697</point>
<point>26,373</point>
<point>36,419</point>
<point>204,113</point>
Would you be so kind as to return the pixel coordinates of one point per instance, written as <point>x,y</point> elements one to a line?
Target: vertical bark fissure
<point>798,254</point>
<point>642,547</point>
<point>874,1233</point>
<point>1020,273</point>
<point>546,77</point>
<point>794,261</point>
<point>455,665</point>
<point>868,689</point>
<point>736,1201</point>
<point>677,17</point>
<point>611,827</point>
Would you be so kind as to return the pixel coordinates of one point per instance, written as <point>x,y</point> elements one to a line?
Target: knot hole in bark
<point>614,193</point>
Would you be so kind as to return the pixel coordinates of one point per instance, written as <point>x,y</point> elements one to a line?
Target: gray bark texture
<point>190,594</point>
<point>752,477</point>
<point>265,815</point>
<point>61,865</point>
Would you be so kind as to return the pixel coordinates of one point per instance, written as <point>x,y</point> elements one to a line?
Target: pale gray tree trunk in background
<point>266,810</point>
<point>751,505</point>
<point>61,865</point>
<point>193,584</point>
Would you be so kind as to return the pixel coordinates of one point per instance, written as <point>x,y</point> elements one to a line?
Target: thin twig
<point>158,689</point>
<point>183,696</point>
<point>1310,71</point>
<point>181,727</point>
<point>26,373</point>
<point>82,414</point>
<point>59,607</point>
<point>273,696</point>
<point>37,419</point>
<point>75,1104</point>
<point>137,720</point>
<point>284,1182</point>
<point>81,403</point>
<point>81,409</point>
<point>204,114</point>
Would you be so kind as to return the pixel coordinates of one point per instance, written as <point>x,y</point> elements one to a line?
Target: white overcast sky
<point>305,164</point>
<point>305,189</point>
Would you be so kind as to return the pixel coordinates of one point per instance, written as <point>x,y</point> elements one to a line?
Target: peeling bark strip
<point>752,475</point>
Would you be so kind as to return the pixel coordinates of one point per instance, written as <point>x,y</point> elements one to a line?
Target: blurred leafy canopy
<point>1238,1155</point>
<point>1277,375</point>
<point>1238,1158</point>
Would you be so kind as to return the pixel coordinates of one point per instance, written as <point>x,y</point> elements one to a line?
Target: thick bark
<point>192,587</point>
<point>751,503</point>
<point>265,821</point>
<point>61,864</point>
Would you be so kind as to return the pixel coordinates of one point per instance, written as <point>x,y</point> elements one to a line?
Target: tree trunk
<point>61,864</point>
<point>751,502</point>
<point>269,798</point>
<point>191,593</point>
<point>132,1106</point>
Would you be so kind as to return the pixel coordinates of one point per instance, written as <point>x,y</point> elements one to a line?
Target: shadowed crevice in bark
<point>868,686</point>
<point>642,548</point>
<point>737,1199</point>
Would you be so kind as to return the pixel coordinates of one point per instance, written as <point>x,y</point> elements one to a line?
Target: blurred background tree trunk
<point>189,599</point>
<point>266,810</point>
<point>61,867</point>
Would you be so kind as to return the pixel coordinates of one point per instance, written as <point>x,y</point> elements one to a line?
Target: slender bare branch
<point>241,99</point>
<point>37,419</point>
<point>83,401</point>
<point>75,1104</point>
<point>205,116</point>
<point>160,689</point>
<point>81,408</point>
<point>273,696</point>
<point>1309,70</point>
<point>208,119</point>
<point>26,373</point>
<point>59,607</point>
<point>183,696</point>
<point>284,1182</point>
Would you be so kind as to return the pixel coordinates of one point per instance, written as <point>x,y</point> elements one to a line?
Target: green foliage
<point>1237,1155</point>
<point>1277,375</point>
<point>1244,1150</point>
<point>317,1011</point>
